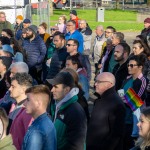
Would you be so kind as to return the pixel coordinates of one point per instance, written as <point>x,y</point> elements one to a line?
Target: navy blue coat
<point>35,51</point>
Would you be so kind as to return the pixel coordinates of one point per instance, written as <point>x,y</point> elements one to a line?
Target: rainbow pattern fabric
<point>133,100</point>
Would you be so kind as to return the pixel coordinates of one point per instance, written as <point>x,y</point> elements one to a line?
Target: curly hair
<point>9,32</point>
<point>23,79</point>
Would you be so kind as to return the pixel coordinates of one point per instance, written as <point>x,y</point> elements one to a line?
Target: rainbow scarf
<point>133,100</point>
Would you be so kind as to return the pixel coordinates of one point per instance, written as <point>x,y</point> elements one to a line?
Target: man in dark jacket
<point>69,117</point>
<point>35,49</point>
<point>110,63</point>
<point>72,48</point>
<point>120,71</point>
<point>146,31</point>
<point>59,56</point>
<point>106,126</point>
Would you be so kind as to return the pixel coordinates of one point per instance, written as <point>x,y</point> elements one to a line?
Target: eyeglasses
<point>53,29</point>
<point>131,65</point>
<point>98,81</point>
<point>107,32</point>
<point>69,25</point>
<point>70,45</point>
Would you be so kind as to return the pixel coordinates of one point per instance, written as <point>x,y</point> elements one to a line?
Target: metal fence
<point>38,13</point>
<point>109,4</point>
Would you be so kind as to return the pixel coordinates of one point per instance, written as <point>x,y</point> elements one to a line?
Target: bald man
<point>106,126</point>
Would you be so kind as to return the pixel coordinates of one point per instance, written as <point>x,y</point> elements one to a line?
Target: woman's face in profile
<point>137,49</point>
<point>61,20</point>
<point>144,126</point>
<point>133,68</point>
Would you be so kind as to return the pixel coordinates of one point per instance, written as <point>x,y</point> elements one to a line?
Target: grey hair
<point>21,67</point>
<point>119,35</point>
<point>101,27</point>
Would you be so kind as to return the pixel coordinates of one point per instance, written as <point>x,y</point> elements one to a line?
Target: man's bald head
<point>104,81</point>
<point>108,77</point>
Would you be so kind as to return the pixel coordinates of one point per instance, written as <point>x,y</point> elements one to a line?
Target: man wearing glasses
<point>109,32</point>
<point>106,126</point>
<point>86,32</point>
<point>74,34</point>
<point>98,46</point>
<point>72,46</point>
<point>4,24</point>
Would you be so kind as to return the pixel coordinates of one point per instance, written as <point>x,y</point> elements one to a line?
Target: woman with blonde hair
<point>62,24</point>
<point>143,142</point>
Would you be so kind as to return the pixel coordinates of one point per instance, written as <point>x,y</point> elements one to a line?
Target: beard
<point>118,59</point>
<point>29,36</point>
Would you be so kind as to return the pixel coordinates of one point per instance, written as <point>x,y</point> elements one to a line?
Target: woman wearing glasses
<point>138,83</point>
<point>139,47</point>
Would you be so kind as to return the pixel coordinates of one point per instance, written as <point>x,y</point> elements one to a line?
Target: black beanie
<point>7,61</point>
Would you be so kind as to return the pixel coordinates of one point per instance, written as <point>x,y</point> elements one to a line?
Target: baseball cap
<point>26,21</point>
<point>62,78</point>
<point>147,20</point>
<point>73,12</point>
<point>8,48</point>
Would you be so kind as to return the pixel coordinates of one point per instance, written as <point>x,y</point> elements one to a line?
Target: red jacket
<point>77,22</point>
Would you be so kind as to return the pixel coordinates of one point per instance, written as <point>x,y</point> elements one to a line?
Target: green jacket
<point>5,25</point>
<point>71,125</point>
<point>7,144</point>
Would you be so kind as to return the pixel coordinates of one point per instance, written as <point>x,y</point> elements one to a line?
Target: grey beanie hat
<point>33,28</point>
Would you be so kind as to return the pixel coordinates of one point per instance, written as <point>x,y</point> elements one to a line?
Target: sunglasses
<point>131,65</point>
<point>53,29</point>
<point>70,45</point>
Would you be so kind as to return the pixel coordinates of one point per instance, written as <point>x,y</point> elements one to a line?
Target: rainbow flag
<point>132,99</point>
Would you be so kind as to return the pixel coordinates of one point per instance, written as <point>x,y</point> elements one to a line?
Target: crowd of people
<point>45,81</point>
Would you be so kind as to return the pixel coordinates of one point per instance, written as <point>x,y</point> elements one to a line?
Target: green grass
<point>121,20</point>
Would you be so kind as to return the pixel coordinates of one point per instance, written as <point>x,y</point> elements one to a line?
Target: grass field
<point>121,20</point>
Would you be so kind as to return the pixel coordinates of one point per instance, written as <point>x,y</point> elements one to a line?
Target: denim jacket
<point>41,135</point>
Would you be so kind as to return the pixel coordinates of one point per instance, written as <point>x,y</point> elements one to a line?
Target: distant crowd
<point>45,82</point>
